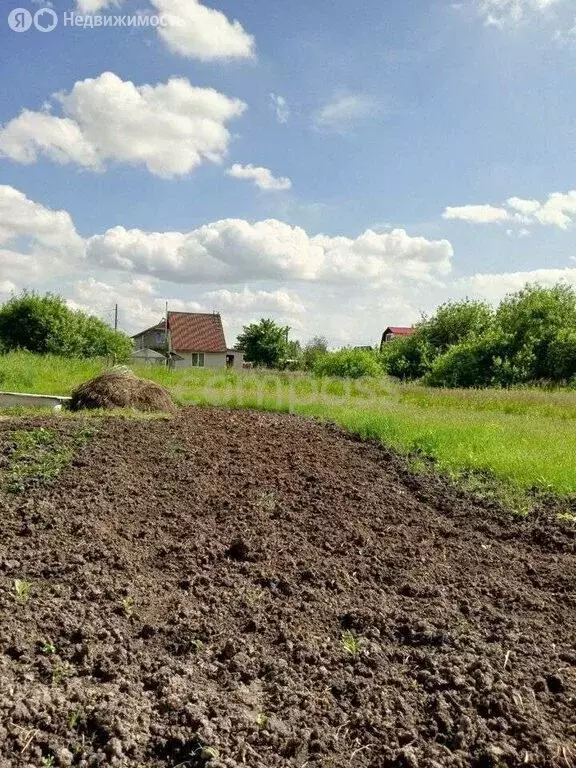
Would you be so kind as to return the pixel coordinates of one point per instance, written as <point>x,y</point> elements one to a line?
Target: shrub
<point>408,357</point>
<point>561,356</point>
<point>46,325</point>
<point>534,319</point>
<point>479,362</point>
<point>348,363</point>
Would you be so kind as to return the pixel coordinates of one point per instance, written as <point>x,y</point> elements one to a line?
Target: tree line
<point>529,337</point>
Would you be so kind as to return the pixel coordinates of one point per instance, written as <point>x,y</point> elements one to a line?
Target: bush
<point>46,325</point>
<point>348,363</point>
<point>535,318</point>
<point>475,363</point>
<point>561,358</point>
<point>408,357</point>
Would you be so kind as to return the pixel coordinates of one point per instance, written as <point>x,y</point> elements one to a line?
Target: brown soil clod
<point>382,620</point>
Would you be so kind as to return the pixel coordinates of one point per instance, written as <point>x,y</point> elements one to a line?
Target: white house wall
<point>211,360</point>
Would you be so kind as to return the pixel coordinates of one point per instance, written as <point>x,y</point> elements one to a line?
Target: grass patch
<point>506,443</point>
<point>36,456</point>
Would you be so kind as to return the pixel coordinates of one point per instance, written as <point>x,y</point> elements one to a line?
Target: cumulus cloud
<point>314,283</point>
<point>36,241</point>
<point>495,286</point>
<point>559,210</point>
<point>256,300</point>
<point>42,227</point>
<point>280,107</point>
<point>263,178</point>
<point>342,113</point>
<point>476,214</point>
<point>235,250</point>
<point>170,128</point>
<point>195,31</point>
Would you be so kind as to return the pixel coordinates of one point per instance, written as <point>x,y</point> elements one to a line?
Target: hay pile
<point>120,388</point>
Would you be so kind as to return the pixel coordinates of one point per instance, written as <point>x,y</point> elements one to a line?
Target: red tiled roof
<point>196,332</point>
<point>399,330</point>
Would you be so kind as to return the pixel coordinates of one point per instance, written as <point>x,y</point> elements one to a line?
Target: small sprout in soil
<point>128,605</point>
<point>253,596</point>
<point>48,762</point>
<point>61,671</point>
<point>262,720</point>
<point>48,648</point>
<point>73,719</point>
<point>566,517</point>
<point>22,589</point>
<point>209,753</point>
<point>198,645</point>
<point>351,643</point>
<point>267,501</point>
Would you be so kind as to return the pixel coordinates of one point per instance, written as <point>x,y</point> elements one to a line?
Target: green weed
<point>48,648</point>
<point>60,672</point>
<point>351,643</point>
<point>22,589</point>
<point>128,606</point>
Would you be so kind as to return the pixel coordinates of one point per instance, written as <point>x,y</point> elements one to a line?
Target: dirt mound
<point>120,388</point>
<point>238,589</point>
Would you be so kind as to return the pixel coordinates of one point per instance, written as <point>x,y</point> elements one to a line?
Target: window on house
<point>198,360</point>
<point>159,337</point>
<point>389,337</point>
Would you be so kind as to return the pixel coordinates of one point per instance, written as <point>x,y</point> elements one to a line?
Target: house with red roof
<point>190,340</point>
<point>395,331</point>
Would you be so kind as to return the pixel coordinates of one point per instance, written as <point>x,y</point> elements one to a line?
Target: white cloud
<point>171,128</point>
<point>476,214</point>
<point>280,107</point>
<point>495,286</point>
<point>6,286</point>
<point>263,178</point>
<point>342,113</point>
<point>344,287</point>
<point>259,301</point>
<point>22,217</point>
<point>559,210</point>
<point>501,13</point>
<point>198,32</point>
<point>235,250</point>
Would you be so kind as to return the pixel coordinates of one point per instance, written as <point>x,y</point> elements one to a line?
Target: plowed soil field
<point>242,589</point>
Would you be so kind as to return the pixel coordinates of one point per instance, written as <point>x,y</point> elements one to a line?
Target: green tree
<point>314,349</point>
<point>455,322</point>
<point>561,357</point>
<point>264,343</point>
<point>533,318</point>
<point>483,361</point>
<point>407,357</point>
<point>45,324</point>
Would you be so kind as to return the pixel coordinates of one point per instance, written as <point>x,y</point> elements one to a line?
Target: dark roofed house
<point>191,340</point>
<point>394,331</point>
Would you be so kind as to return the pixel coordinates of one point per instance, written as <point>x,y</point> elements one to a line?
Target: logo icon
<point>45,20</point>
<point>20,20</point>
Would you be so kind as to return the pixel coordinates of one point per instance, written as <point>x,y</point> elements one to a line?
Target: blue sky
<point>339,168</point>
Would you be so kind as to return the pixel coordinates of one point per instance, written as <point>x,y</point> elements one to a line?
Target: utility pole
<point>116,317</point>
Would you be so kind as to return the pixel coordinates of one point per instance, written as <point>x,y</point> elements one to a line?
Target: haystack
<point>120,388</point>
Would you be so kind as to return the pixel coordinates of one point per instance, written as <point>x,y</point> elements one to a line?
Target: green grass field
<point>524,439</point>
